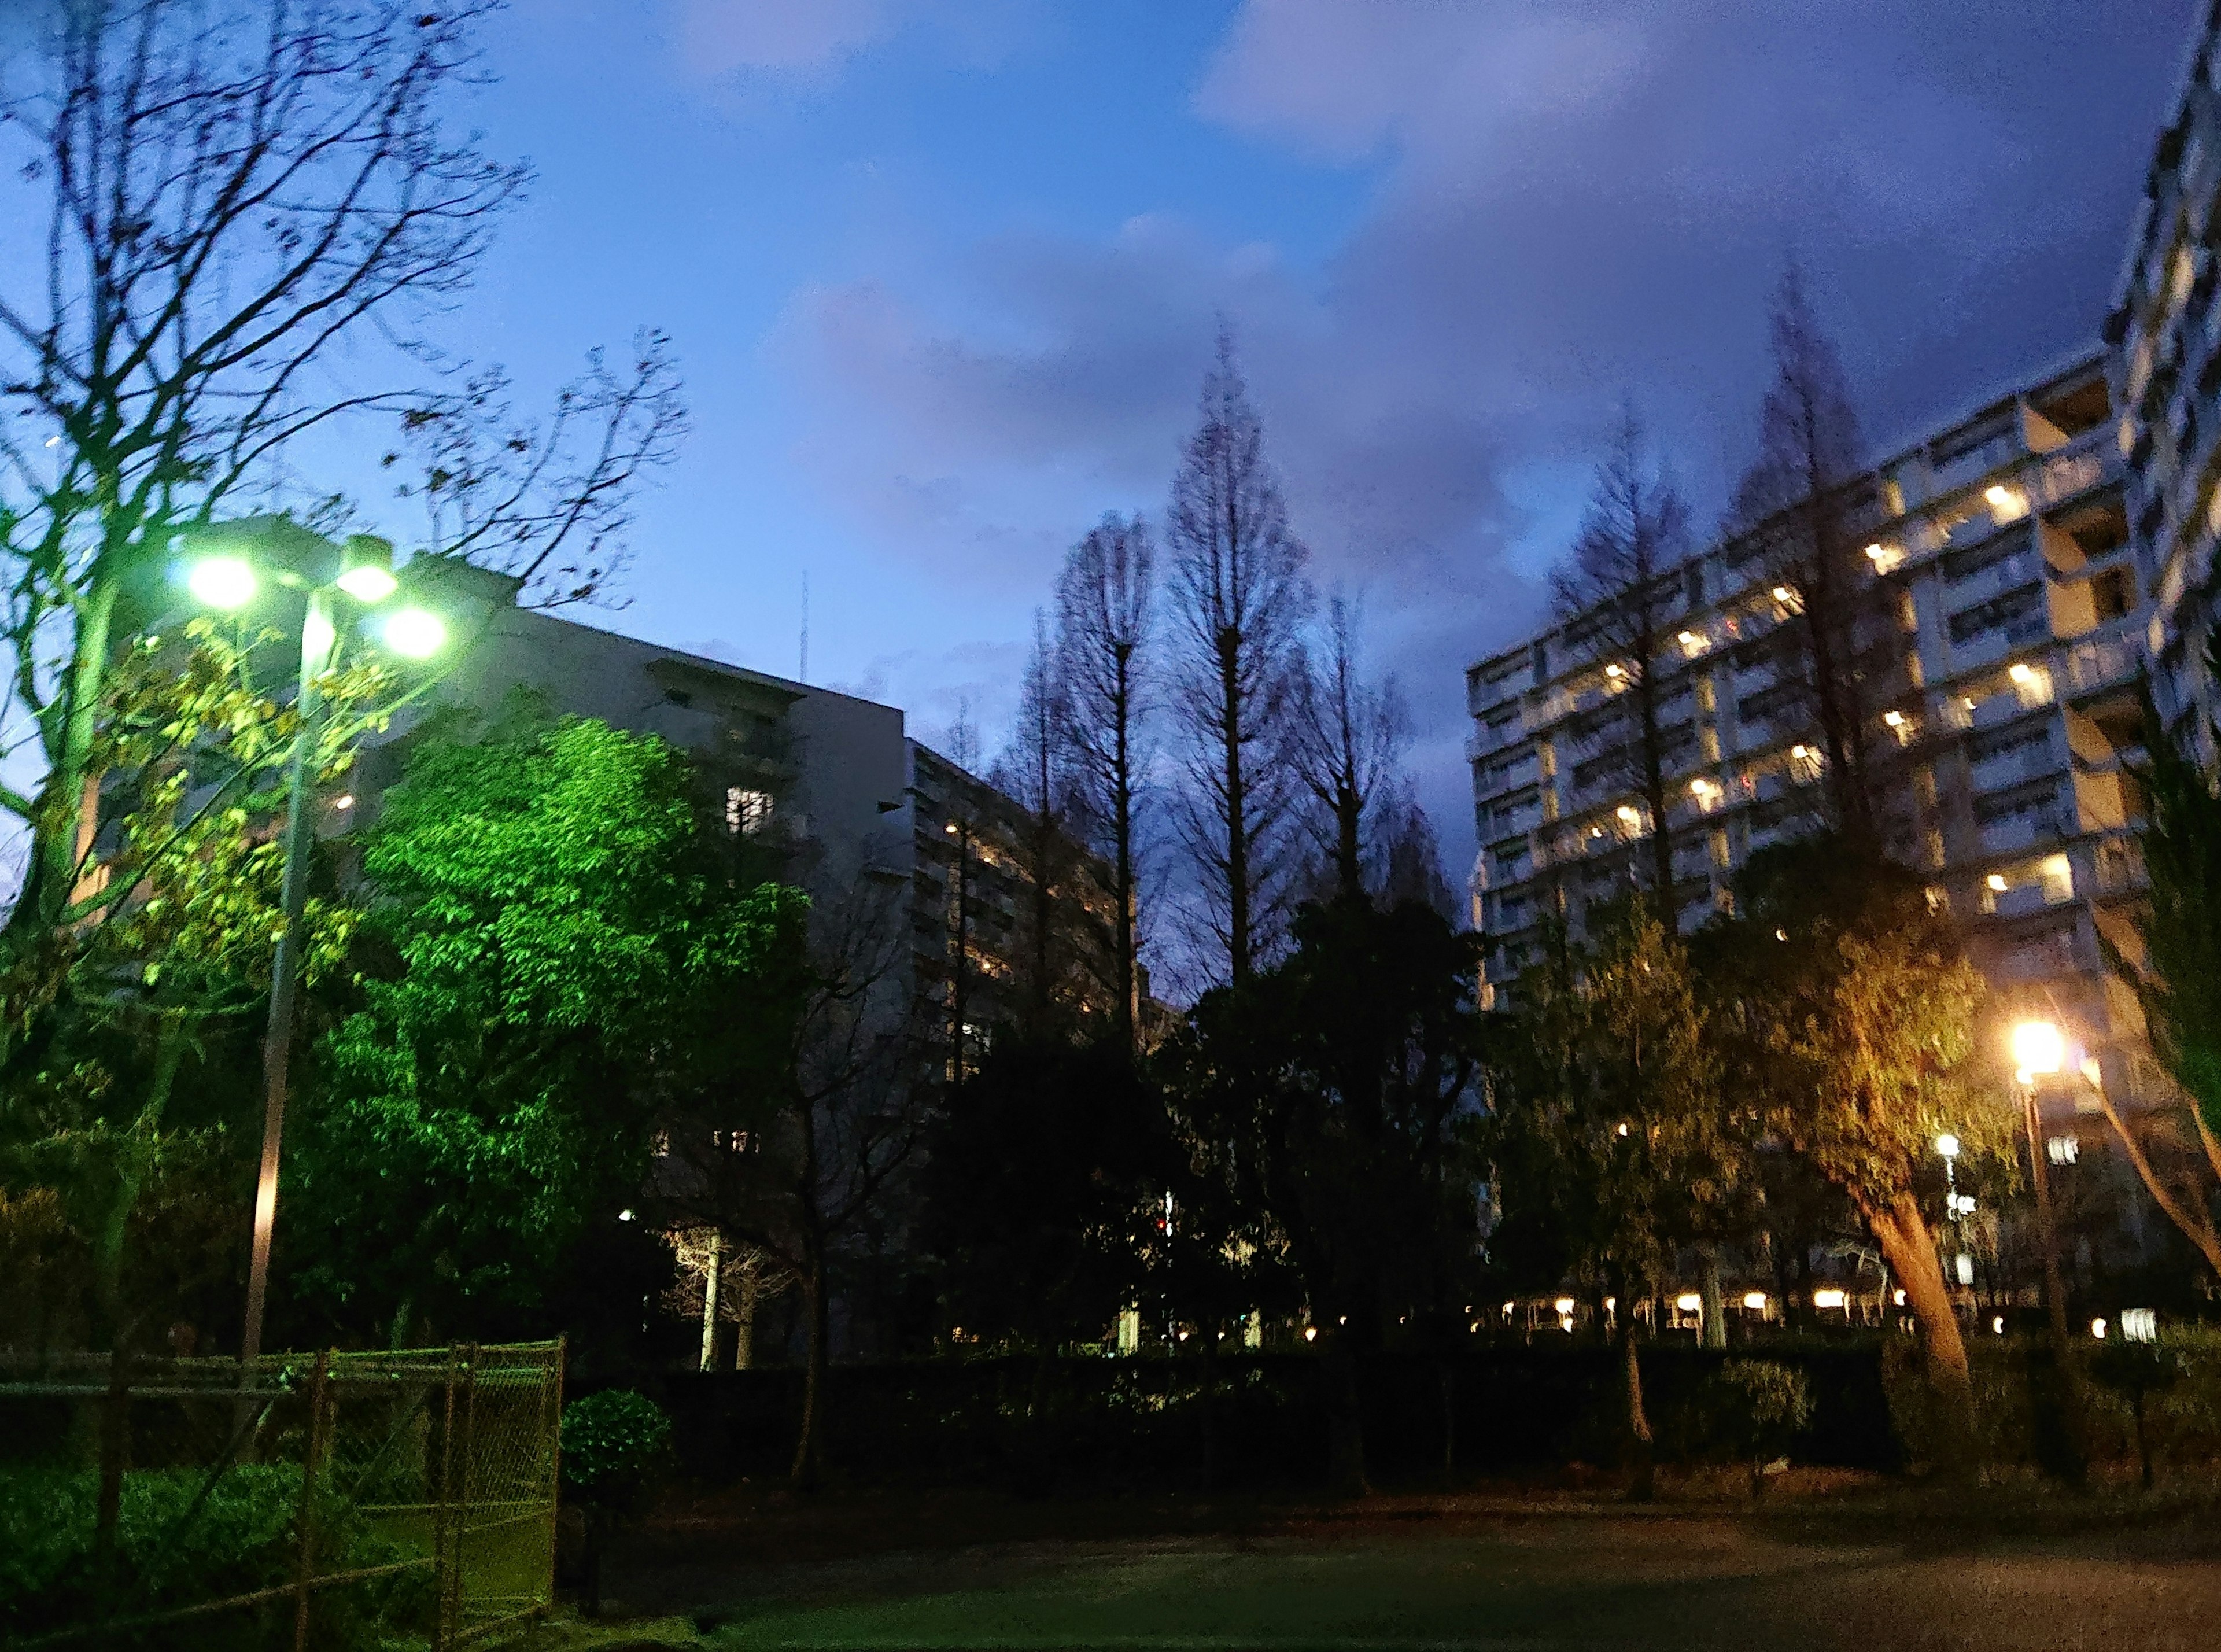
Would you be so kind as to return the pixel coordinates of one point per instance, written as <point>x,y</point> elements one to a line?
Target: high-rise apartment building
<point>2166,334</point>
<point>1998,560</point>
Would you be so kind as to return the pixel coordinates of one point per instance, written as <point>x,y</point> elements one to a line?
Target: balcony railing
<point>2091,665</point>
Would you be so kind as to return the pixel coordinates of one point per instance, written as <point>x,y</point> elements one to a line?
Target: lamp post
<point>2039,1048</point>
<point>225,570</point>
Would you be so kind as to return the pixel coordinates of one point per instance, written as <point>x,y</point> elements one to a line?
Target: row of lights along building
<point>2040,556</point>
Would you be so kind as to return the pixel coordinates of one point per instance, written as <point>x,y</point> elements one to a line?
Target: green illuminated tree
<point>131,1056</point>
<point>1609,1126</point>
<point>1846,1011</point>
<point>557,954</point>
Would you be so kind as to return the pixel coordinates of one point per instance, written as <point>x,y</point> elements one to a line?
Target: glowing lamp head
<point>2004,497</point>
<point>2038,1047</point>
<point>1894,719</point>
<point>1781,593</point>
<point>221,581</point>
<point>1613,671</point>
<point>1947,1145</point>
<point>415,633</point>
<point>368,583</point>
<point>2020,673</point>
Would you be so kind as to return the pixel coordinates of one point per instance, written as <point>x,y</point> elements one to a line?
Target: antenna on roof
<point>802,673</point>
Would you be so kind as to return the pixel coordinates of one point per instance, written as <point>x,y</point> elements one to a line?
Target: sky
<point>943,279</point>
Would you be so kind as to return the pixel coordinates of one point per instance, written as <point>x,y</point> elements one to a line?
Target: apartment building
<point>2000,546</point>
<point>2165,330</point>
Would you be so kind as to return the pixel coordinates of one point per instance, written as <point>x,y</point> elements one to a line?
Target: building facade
<point>1998,553</point>
<point>2165,330</point>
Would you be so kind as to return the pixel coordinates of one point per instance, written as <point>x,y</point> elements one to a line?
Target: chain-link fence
<point>338,1501</point>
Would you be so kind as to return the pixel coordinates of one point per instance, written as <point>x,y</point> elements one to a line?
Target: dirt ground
<point>1838,1564</point>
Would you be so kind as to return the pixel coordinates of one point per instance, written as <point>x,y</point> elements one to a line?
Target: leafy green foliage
<point>2178,977</point>
<point>126,1060</point>
<point>172,1554</point>
<point>1847,1014</point>
<point>562,954</point>
<point>1335,1099</point>
<point>615,1445</point>
<point>1760,1406</point>
<point>1609,1135</point>
<point>1042,1176</point>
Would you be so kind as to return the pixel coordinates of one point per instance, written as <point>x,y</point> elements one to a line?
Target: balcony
<point>2024,831</point>
<point>2092,667</point>
<point>2011,768</point>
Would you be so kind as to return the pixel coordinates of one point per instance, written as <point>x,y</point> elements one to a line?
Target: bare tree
<point>1620,584</point>
<point>1240,597</point>
<point>245,205</point>
<point>1349,745</point>
<point>1798,503</point>
<point>547,503</point>
<point>1103,618</point>
<point>1036,772</point>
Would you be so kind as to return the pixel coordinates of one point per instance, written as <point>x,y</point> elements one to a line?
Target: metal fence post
<point>305,1563</point>
<point>443,1565</point>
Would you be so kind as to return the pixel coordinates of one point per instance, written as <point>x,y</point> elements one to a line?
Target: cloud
<point>1567,206</point>
<point>813,41</point>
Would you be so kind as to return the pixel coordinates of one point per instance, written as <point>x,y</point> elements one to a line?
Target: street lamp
<point>2039,1050</point>
<point>223,566</point>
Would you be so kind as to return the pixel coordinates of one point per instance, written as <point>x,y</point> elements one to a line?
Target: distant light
<point>1895,719</point>
<point>950,829</point>
<point>1613,671</point>
<point>2038,1047</point>
<point>1623,1130</point>
<point>1564,1305</point>
<point>2139,1325</point>
<point>1947,1145</point>
<point>1998,1325</point>
<point>1800,752</point>
<point>368,583</point>
<point>1829,1299</point>
<point>1689,1302</point>
<point>344,800</point>
<point>316,636</point>
<point>1898,1297</point>
<point>1781,935</point>
<point>1310,1333</point>
<point>54,442</point>
<point>415,633</point>
<point>1755,1300</point>
<point>2004,497</point>
<point>1691,639</point>
<point>1997,881</point>
<point>2098,1329</point>
<point>1781,593</point>
<point>222,582</point>
<point>1966,1268</point>
<point>1626,812</point>
<point>2020,673</point>
<point>624,1216</point>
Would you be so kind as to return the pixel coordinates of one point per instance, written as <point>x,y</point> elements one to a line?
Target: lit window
<point>2058,879</point>
<point>1829,1299</point>
<point>747,813</point>
<point>1887,559</point>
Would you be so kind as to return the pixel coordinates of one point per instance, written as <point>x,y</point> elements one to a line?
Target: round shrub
<point>1760,1406</point>
<point>615,1444</point>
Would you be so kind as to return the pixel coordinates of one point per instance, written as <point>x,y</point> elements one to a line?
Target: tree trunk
<point>1910,1250</point>
<point>710,1282</point>
<point>1715,1313</point>
<point>807,1447</point>
<point>2195,1221</point>
<point>1345,1442</point>
<point>1641,1472</point>
<point>744,1341</point>
<point>1237,805</point>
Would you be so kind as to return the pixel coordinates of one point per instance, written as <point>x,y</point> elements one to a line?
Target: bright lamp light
<point>221,581</point>
<point>368,583</point>
<point>2038,1047</point>
<point>415,633</point>
<point>1947,1145</point>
